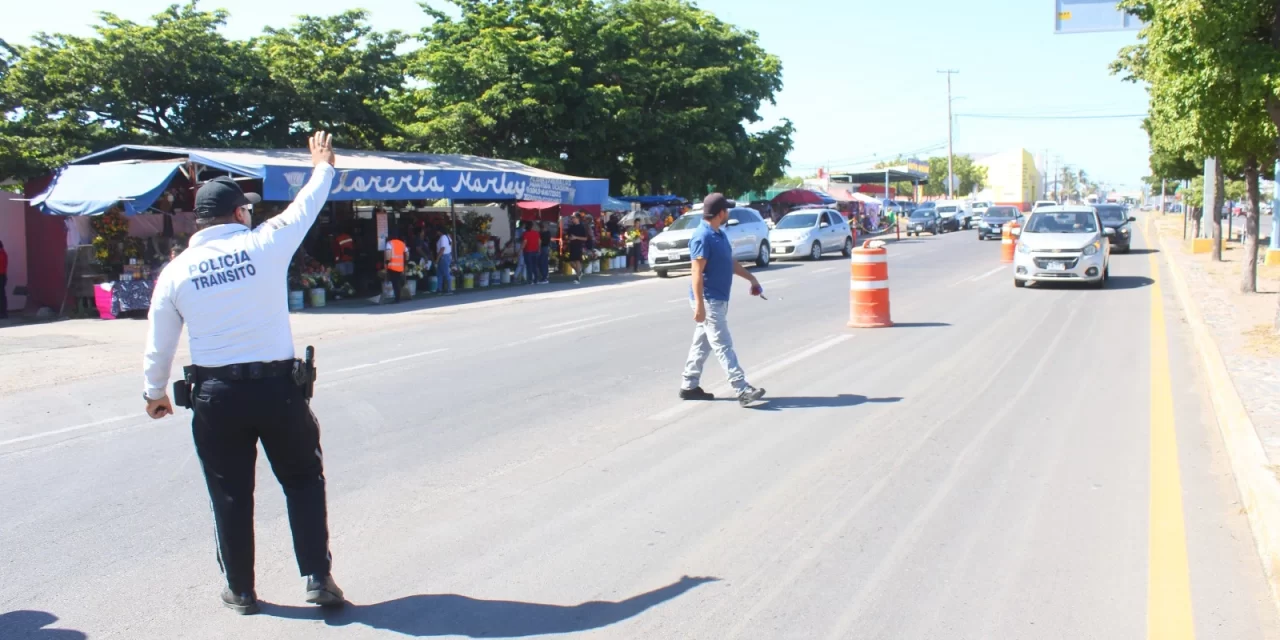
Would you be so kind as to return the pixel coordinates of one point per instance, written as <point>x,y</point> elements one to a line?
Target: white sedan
<point>811,233</point>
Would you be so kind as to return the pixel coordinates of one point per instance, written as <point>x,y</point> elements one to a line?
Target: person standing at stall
<point>397,253</point>
<point>444,262</point>
<point>4,282</point>
<point>531,242</point>
<point>544,253</point>
<point>577,237</point>
<point>229,287</point>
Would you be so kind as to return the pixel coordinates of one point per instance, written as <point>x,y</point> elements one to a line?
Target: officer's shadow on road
<point>431,615</point>
<point>842,400</point>
<point>33,625</point>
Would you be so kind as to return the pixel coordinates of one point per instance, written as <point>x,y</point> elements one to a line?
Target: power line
<point>1006,116</point>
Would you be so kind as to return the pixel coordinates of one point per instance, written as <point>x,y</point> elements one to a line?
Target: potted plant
<point>413,272</point>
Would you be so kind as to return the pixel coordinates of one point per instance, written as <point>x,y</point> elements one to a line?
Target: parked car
<point>928,204</point>
<point>1040,204</point>
<point>924,220</point>
<point>993,221</point>
<point>954,214</point>
<point>1065,243</point>
<point>747,232</point>
<point>1116,217</point>
<point>979,209</point>
<point>811,233</point>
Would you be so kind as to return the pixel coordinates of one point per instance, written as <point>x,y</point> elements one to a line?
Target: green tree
<point>334,74</point>
<point>656,95</point>
<point>973,176</point>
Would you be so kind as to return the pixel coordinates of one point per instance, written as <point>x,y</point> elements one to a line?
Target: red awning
<point>537,205</point>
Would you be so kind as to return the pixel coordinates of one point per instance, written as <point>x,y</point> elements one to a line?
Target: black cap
<point>220,197</point>
<point>714,204</point>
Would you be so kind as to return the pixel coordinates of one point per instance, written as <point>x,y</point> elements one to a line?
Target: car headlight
<point>1124,230</point>
<point>1024,247</point>
<point>1093,248</point>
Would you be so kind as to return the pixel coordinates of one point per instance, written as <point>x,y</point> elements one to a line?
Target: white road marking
<point>355,368</point>
<point>774,281</point>
<point>561,332</point>
<point>413,355</point>
<point>578,321</point>
<point>989,273</point>
<point>828,269</point>
<point>57,432</point>
<point>757,375</point>
<point>680,299</point>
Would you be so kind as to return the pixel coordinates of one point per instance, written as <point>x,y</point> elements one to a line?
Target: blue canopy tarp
<point>86,190</point>
<point>381,175</point>
<point>653,201</point>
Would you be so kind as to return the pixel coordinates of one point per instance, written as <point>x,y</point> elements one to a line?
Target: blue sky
<point>860,76</point>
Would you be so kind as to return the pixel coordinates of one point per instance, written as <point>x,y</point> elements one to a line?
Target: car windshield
<point>922,214</point>
<point>797,221</point>
<point>1062,222</point>
<point>946,209</point>
<point>1000,212</point>
<point>1112,214</point>
<point>927,205</point>
<point>687,221</point>
<point>981,205</point>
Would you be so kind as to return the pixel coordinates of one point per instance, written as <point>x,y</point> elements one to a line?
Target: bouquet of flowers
<point>415,270</point>
<point>316,276</point>
<point>341,287</point>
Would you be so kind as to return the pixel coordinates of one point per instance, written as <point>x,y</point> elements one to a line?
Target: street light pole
<point>950,149</point>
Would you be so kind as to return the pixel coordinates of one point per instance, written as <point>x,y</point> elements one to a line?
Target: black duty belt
<point>246,371</point>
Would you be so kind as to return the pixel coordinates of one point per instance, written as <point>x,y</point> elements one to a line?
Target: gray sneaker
<point>749,395</point>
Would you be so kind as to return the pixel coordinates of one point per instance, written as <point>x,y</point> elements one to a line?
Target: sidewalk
<point>40,354</point>
<point>1240,324</point>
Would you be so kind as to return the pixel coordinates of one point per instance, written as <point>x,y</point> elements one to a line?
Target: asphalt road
<point>1003,463</point>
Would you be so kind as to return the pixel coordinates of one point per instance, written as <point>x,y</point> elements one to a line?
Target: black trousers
<point>230,418</point>
<point>4,299</point>
<point>397,281</point>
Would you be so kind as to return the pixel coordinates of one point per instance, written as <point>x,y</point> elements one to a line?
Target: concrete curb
<point>1257,482</point>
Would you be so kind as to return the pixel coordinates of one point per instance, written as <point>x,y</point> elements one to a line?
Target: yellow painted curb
<point>1200,245</point>
<point>1273,258</point>
<point>1259,487</point>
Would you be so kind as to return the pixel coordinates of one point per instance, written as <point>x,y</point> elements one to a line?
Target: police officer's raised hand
<point>322,149</point>
<point>159,408</point>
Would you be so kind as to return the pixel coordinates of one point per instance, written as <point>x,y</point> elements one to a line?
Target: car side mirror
<point>1017,231</point>
<point>733,223</point>
<point>1132,219</point>
<point>1109,231</point>
<point>824,225</point>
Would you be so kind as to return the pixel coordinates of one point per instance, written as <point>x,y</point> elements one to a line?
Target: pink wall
<point>46,252</point>
<point>13,233</point>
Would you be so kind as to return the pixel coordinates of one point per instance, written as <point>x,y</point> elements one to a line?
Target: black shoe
<point>322,590</point>
<point>695,393</point>
<point>750,395</point>
<point>245,604</point>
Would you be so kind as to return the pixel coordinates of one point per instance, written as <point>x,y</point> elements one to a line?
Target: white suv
<point>1066,243</point>
<point>747,232</point>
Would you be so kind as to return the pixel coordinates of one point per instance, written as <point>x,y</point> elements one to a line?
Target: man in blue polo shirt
<point>713,271</point>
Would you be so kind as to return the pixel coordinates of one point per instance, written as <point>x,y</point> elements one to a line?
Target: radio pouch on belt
<point>182,389</point>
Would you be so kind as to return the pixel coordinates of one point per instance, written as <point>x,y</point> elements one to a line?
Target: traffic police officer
<point>245,384</point>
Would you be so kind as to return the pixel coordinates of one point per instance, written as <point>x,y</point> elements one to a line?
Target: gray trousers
<point>713,336</point>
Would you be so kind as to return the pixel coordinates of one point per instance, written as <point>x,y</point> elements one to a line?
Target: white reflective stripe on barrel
<point>866,285</point>
<point>869,258</point>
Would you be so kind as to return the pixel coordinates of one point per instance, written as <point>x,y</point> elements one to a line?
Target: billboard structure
<point>1084,16</point>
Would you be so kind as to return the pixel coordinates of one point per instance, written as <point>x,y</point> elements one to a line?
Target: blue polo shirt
<point>715,248</point>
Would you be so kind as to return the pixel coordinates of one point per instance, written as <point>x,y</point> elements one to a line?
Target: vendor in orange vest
<point>343,253</point>
<point>396,254</point>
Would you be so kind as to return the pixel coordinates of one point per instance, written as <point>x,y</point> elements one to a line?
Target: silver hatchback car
<point>1065,243</point>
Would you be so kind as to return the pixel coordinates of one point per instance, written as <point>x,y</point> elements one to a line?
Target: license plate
<point>779,250</point>
<point>1057,266</point>
<point>919,227</point>
<point>684,256</point>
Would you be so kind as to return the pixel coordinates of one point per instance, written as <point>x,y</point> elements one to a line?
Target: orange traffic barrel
<point>1007,243</point>
<point>869,286</point>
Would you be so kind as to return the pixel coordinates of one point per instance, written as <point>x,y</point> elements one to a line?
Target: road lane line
<point>774,281</point>
<point>581,327</point>
<point>826,270</point>
<point>1169,615</point>
<point>413,355</point>
<point>58,432</point>
<point>578,321</point>
<point>355,368</point>
<point>988,274</point>
<point>757,375</point>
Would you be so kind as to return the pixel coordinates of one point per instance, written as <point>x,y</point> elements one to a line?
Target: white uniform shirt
<point>230,287</point>
<point>445,246</point>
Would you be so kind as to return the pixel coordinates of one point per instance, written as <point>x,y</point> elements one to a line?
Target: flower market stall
<point>373,194</point>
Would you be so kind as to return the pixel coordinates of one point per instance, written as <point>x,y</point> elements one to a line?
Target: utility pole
<point>950,149</point>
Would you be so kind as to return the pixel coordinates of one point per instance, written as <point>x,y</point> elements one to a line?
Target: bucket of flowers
<point>413,272</point>
<point>316,281</point>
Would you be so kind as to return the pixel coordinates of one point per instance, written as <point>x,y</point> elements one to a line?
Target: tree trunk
<point>1249,277</point>
<point>1215,216</point>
